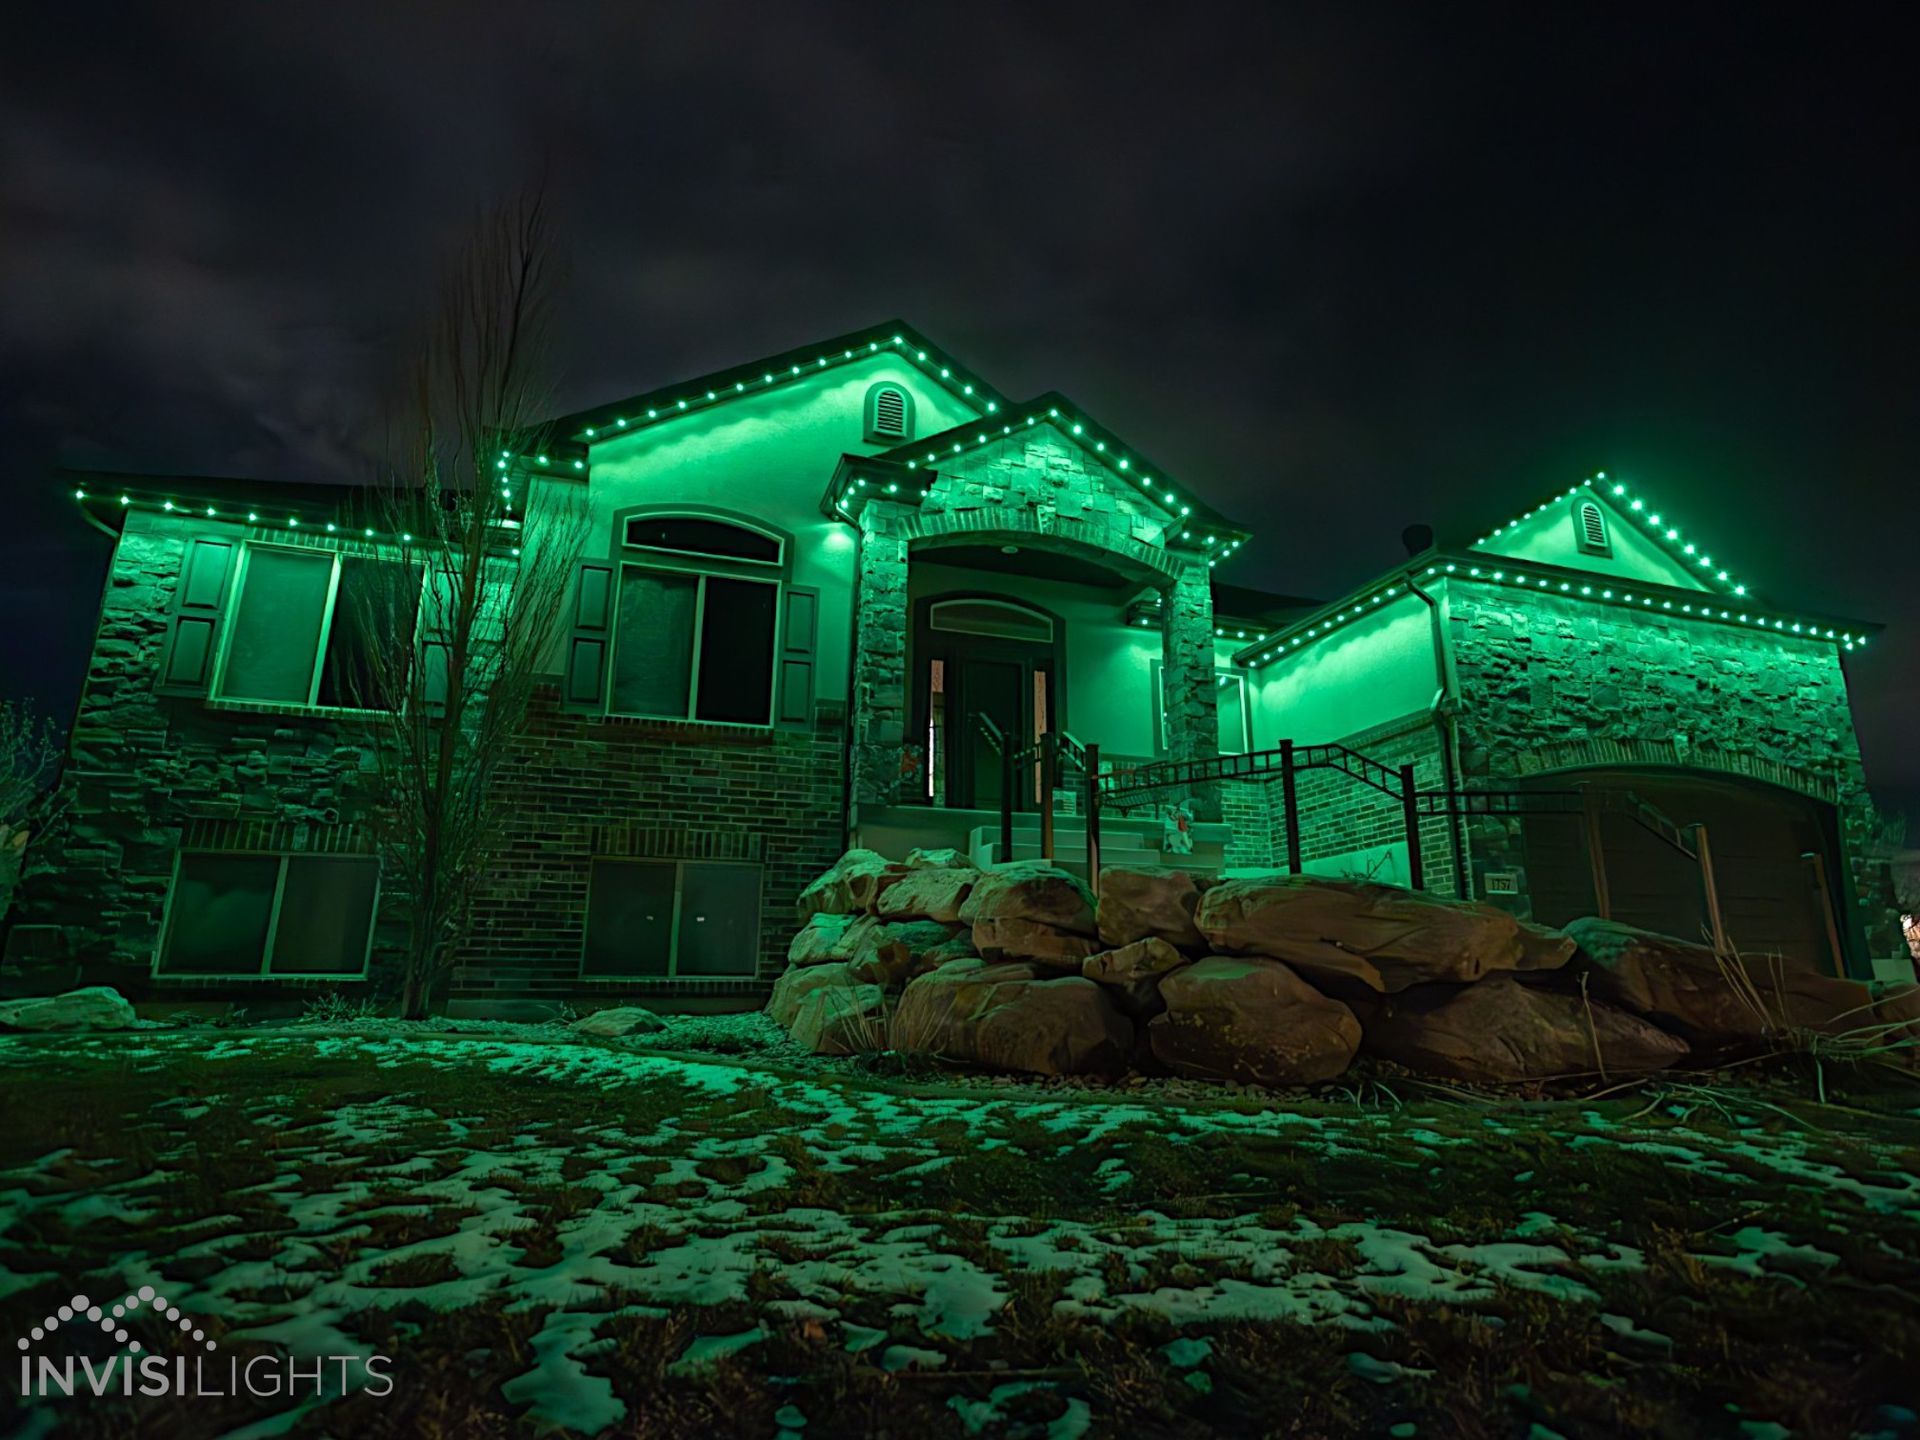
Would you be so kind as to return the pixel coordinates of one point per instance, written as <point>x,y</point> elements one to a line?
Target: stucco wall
<point>1369,673</point>
<point>769,455</point>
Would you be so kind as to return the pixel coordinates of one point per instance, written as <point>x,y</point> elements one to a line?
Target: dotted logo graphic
<point>79,1310</point>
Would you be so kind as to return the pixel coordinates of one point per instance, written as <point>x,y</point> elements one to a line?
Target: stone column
<point>879,722</point>
<point>1189,690</point>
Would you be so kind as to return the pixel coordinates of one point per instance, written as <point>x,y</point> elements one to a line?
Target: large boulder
<point>1723,1000</point>
<point>1132,974</point>
<point>96,1007</point>
<point>822,939</point>
<point>942,858</point>
<point>616,1021</point>
<point>796,984</point>
<point>1380,936</point>
<point>1005,1017</point>
<point>1250,1020</point>
<point>1143,904</point>
<point>1005,938</point>
<point>1498,1030</point>
<point>890,952</point>
<point>1032,890</point>
<point>841,1019</point>
<point>833,891</point>
<point>1129,965</point>
<point>928,893</point>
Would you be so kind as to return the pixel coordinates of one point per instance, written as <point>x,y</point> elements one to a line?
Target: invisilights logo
<point>128,1371</point>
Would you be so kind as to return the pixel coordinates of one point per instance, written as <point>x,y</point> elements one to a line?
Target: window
<point>990,617</point>
<point>694,647</point>
<point>306,625</point>
<point>889,414</point>
<point>242,915</point>
<point>703,535</point>
<point>1230,712</point>
<point>666,919</point>
<point>1590,529</point>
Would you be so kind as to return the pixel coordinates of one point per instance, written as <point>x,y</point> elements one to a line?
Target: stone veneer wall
<point>1042,491</point>
<point>147,774</point>
<point>1547,683</point>
<point>585,787</point>
<point>150,774</point>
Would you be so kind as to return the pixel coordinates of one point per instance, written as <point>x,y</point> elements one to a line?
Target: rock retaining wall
<point>1280,980</point>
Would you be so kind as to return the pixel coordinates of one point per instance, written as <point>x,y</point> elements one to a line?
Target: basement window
<point>671,919</point>
<point>262,916</point>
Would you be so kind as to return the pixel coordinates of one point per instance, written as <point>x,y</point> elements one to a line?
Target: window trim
<point>217,691</point>
<point>679,867</point>
<point>266,971</point>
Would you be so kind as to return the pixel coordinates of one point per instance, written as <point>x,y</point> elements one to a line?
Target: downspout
<point>1446,722</point>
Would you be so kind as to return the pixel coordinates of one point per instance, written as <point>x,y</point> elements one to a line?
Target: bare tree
<point>461,605</point>
<point>29,755</point>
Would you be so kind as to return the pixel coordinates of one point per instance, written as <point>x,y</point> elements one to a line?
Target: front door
<point>998,690</point>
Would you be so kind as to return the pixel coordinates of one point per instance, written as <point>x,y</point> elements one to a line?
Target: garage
<point>1775,860</point>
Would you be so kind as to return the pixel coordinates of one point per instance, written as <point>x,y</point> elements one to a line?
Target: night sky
<point>1338,272</point>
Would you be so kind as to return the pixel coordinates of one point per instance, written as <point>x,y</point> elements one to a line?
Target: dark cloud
<point>1340,268</point>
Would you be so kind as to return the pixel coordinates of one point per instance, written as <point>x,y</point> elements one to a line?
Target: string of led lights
<point>1071,424</point>
<point>1656,527</point>
<point>698,399</point>
<point>276,520</point>
<point>1663,602</point>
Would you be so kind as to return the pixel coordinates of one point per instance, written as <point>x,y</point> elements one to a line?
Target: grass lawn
<point>584,1236</point>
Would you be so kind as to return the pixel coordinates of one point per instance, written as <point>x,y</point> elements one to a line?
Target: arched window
<point>696,619</point>
<point>704,536</point>
<point>1002,618</point>
<point>1590,529</point>
<point>889,418</point>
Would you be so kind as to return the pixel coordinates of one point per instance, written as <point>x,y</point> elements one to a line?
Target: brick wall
<point>1339,815</point>
<point>585,787</point>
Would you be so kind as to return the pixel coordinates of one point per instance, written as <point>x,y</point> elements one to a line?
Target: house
<point>827,595</point>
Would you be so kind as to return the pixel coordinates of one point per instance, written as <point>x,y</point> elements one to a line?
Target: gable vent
<point>1591,527</point>
<point>889,414</point>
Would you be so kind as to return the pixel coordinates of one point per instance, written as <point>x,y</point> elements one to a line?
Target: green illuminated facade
<point>807,577</point>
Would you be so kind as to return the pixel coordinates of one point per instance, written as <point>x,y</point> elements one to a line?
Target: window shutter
<point>799,641</point>
<point>206,571</point>
<point>583,684</point>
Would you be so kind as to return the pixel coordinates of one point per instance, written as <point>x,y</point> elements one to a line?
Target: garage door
<point>1769,896</point>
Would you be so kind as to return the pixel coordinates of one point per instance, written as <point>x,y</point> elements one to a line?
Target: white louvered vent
<point>1592,525</point>
<point>890,413</point>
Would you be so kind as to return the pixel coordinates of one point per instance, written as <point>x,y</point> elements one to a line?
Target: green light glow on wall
<point>1655,526</point>
<point>934,365</point>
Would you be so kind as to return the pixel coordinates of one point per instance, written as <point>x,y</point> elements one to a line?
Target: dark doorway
<point>974,657</point>
<point>1774,898</point>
